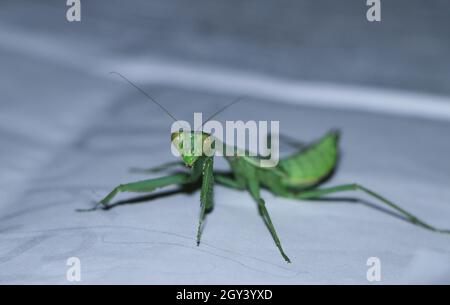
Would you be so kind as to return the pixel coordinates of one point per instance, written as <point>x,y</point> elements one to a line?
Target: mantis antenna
<point>236,100</point>
<point>146,94</point>
<point>167,111</point>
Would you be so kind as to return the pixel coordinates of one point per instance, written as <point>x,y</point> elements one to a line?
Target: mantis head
<point>191,145</point>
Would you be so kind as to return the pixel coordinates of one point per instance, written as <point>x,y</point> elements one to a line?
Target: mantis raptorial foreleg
<point>318,193</point>
<point>254,190</point>
<point>147,185</point>
<point>206,194</point>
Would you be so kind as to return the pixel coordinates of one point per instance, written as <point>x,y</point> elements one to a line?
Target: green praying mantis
<point>297,176</point>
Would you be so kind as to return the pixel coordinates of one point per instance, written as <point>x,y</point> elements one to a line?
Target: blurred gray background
<point>69,131</point>
<point>312,40</point>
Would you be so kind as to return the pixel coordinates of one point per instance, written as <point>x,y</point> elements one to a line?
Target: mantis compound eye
<point>208,146</point>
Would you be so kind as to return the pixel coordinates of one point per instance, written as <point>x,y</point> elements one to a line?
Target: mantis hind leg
<point>318,193</point>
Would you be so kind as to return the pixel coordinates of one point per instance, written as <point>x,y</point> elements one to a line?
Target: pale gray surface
<point>154,242</point>
<point>69,133</point>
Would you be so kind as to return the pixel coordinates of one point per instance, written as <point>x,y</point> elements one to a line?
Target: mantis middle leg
<point>227,179</point>
<point>147,185</point>
<point>254,189</point>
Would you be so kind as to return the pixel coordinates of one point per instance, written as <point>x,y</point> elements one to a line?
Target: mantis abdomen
<point>300,170</point>
<point>310,166</point>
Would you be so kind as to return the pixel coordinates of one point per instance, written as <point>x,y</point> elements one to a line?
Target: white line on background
<point>210,78</point>
<point>235,82</point>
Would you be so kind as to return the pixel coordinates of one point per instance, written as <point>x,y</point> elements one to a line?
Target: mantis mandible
<point>297,176</point>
